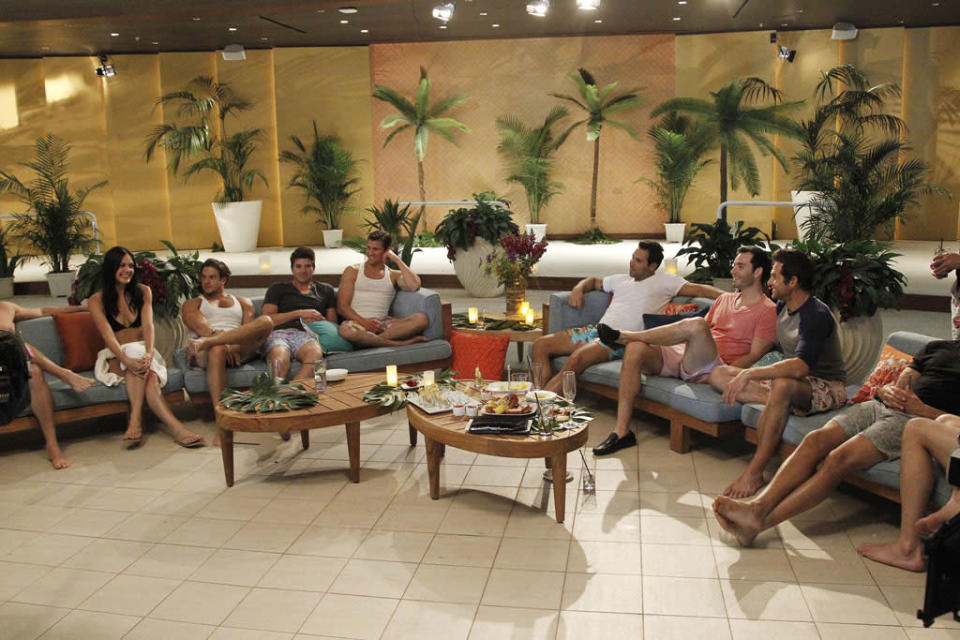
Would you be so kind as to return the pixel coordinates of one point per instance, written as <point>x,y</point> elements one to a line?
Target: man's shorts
<point>385,323</point>
<point>672,356</point>
<point>878,423</point>
<point>587,335</point>
<point>290,339</point>
<point>826,395</point>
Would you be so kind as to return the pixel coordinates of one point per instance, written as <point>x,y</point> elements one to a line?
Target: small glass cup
<point>518,381</point>
<point>482,319</point>
<point>536,375</point>
<point>320,375</point>
<point>276,369</point>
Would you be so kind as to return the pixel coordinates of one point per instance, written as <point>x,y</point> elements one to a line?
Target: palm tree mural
<point>422,118</point>
<point>738,120</point>
<point>600,104</point>
<point>529,150</point>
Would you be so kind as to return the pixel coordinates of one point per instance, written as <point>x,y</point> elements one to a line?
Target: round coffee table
<point>440,430</point>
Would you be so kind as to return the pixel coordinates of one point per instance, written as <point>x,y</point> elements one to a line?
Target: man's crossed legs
<point>581,344</point>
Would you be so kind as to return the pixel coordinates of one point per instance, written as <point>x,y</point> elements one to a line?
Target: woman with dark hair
<point>123,313</point>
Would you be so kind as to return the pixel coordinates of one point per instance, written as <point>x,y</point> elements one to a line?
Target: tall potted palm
<point>529,151</point>
<point>199,142</point>
<point>8,265</point>
<point>326,173</point>
<point>422,118</point>
<point>679,146</point>
<point>600,104</point>
<point>736,118</point>
<point>54,224</point>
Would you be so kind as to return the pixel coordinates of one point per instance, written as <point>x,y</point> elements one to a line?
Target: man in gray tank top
<point>810,378</point>
<point>365,294</point>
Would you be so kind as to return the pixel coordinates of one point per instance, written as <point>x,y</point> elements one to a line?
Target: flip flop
<point>191,444</point>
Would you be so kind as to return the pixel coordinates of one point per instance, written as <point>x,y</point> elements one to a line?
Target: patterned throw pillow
<point>676,308</point>
<point>472,350</point>
<point>892,362</point>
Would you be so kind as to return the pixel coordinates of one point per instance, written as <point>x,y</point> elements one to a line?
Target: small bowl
<point>542,395</point>
<point>336,375</point>
<point>472,410</point>
<point>458,410</point>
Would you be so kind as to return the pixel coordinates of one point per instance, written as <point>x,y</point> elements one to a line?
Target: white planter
<point>539,231</point>
<point>675,231</point>
<point>170,334</point>
<point>469,269</point>
<point>332,238</point>
<point>61,284</point>
<point>239,224</point>
<point>860,342</point>
<point>6,288</point>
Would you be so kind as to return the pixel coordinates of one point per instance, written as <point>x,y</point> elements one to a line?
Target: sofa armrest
<point>423,300</point>
<point>563,316</point>
<point>446,312</point>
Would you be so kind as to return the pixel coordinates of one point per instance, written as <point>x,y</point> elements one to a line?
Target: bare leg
<point>41,402</point>
<point>216,371</point>
<point>638,358</point>
<point>281,355</point>
<point>307,354</point>
<point>747,519</point>
<point>253,333</point>
<point>181,435</point>
<point>585,355</point>
<point>784,394</point>
<point>401,332</point>
<point>921,439</point>
<point>136,388</point>
<point>410,327</point>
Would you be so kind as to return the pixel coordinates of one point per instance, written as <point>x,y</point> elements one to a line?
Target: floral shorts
<point>290,339</point>
<point>826,395</point>
<point>587,335</point>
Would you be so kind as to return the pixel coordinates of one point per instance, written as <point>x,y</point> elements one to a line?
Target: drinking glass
<point>569,386</point>
<point>320,374</point>
<point>536,373</point>
<point>518,381</point>
<point>482,319</point>
<point>276,369</point>
<point>940,250</point>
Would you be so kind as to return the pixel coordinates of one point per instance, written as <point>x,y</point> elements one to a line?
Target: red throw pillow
<point>80,339</point>
<point>892,362</point>
<point>471,350</point>
<point>676,308</point>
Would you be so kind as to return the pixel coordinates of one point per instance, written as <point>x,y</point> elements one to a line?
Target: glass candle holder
<point>472,315</point>
<point>392,375</point>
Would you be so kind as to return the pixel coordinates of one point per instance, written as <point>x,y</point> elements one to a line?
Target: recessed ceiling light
<point>231,28</point>
<point>538,8</point>
<point>443,11</point>
<point>799,10</point>
<point>344,21</point>
<point>681,1</point>
<point>321,10</point>
<point>364,30</point>
<point>483,13</point>
<point>934,4</point>
<point>495,25</point>
<point>598,21</point>
<point>114,35</point>
<point>195,19</point>
<point>347,9</point>
<point>264,38</point>
<point>154,42</point>
<point>443,26</point>
<point>783,24</point>
<point>676,18</point>
<point>588,5</point>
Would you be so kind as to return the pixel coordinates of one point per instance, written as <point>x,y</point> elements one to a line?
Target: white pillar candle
<point>392,375</point>
<point>524,308</point>
<point>530,317</point>
<point>472,315</point>
<point>428,378</point>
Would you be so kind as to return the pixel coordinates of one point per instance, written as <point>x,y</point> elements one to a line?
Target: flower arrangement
<point>514,260</point>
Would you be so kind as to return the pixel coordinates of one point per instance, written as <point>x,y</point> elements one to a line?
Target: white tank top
<point>222,318</point>
<point>372,297</point>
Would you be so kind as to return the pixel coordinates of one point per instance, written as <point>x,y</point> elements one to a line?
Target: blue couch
<point>698,407</point>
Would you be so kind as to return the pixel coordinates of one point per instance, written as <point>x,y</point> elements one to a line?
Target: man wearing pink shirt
<point>738,330</point>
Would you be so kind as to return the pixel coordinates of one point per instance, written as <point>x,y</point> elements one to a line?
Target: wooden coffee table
<point>443,429</point>
<point>342,403</point>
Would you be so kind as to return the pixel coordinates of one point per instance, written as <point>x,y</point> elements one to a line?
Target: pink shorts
<point>672,357</point>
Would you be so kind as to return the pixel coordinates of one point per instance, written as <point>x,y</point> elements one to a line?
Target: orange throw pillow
<point>80,339</point>
<point>892,362</point>
<point>676,308</point>
<point>472,350</point>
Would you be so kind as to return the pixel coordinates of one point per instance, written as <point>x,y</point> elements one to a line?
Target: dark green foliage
<point>399,222</point>
<point>713,247</point>
<point>679,144</point>
<point>594,236</point>
<point>53,224</point>
<point>7,263</point>
<point>462,226</point>
<point>266,395</point>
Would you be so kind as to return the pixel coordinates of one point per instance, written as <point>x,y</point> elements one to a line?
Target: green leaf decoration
<point>460,322</point>
<point>396,397</point>
<point>266,395</point>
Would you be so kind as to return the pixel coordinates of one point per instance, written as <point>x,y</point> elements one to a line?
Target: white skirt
<point>102,373</point>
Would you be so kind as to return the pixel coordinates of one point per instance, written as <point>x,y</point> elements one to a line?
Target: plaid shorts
<point>290,339</point>
<point>826,395</point>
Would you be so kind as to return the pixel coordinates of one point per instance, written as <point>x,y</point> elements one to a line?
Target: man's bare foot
<point>743,519</point>
<point>188,439</point>
<point>932,523</point>
<point>78,382</point>
<point>412,340</point>
<point>745,486</point>
<point>894,555</point>
<point>57,459</point>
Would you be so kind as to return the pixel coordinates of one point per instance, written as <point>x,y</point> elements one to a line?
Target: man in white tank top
<point>224,328</point>
<point>366,293</point>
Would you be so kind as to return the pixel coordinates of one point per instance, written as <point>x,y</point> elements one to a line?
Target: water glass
<point>482,319</point>
<point>589,482</point>
<point>536,373</point>
<point>276,369</point>
<point>320,375</point>
<point>569,386</point>
<point>518,381</point>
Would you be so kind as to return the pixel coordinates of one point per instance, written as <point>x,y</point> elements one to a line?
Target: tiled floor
<point>150,544</point>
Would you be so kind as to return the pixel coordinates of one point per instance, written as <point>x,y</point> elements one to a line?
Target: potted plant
<point>8,264</point>
<point>528,150</point>
<point>54,224</point>
<point>713,248</point>
<point>399,222</point>
<point>470,234</point>
<point>326,172</point>
<point>512,263</point>
<point>679,144</point>
<point>201,140</point>
<point>600,104</point>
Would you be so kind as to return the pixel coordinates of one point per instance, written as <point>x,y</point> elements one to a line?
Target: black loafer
<point>614,443</point>
<point>608,336</point>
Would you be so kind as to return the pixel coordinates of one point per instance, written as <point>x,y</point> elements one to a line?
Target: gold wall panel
<point>139,188</point>
<point>25,77</point>
<point>514,77</point>
<point>252,79</point>
<point>191,217</point>
<point>332,86</point>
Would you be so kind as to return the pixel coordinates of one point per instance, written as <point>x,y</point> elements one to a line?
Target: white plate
<point>484,412</point>
<point>545,396</point>
<point>336,375</point>
<point>503,386</point>
<point>407,386</point>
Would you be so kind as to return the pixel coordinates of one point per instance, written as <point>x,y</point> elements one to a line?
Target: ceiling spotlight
<point>344,21</point>
<point>588,5</point>
<point>231,28</point>
<point>114,35</point>
<point>495,25</point>
<point>443,26</point>
<point>364,30</point>
<point>347,9</point>
<point>786,54</point>
<point>443,12</point>
<point>538,8</point>
<point>106,68</point>
<point>598,21</point>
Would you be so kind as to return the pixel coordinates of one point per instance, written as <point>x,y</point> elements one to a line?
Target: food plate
<point>543,395</point>
<point>484,412</point>
<point>336,375</point>
<point>503,386</point>
<point>411,384</point>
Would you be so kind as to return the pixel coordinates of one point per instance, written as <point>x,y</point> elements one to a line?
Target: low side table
<point>515,335</point>
<point>341,404</point>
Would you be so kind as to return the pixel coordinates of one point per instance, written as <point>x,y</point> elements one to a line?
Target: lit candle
<point>529,317</point>
<point>524,308</point>
<point>264,263</point>
<point>670,265</point>
<point>472,315</point>
<point>428,378</point>
<point>392,375</point>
